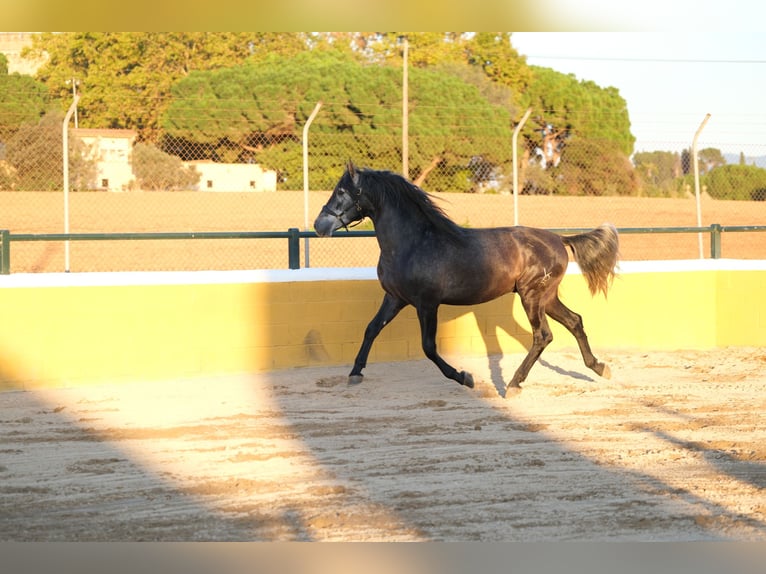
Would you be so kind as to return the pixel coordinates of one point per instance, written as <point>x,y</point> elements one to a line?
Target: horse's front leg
<point>428,321</point>
<point>388,310</point>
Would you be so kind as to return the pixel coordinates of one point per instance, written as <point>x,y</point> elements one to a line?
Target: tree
<point>23,100</point>
<point>591,167</point>
<point>157,171</point>
<point>426,49</point>
<point>563,106</point>
<point>126,81</point>
<point>744,182</point>
<point>125,77</point>
<point>658,171</point>
<point>494,54</point>
<point>256,113</point>
<point>35,153</point>
<point>686,161</point>
<point>709,159</point>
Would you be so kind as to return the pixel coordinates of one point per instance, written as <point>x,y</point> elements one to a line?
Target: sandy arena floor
<point>672,448</point>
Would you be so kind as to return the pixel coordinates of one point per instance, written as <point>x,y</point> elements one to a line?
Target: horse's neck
<point>394,227</point>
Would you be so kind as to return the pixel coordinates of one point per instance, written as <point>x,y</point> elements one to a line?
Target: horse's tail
<point>597,253</point>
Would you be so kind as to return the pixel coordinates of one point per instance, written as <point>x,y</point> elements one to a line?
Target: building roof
<point>105,133</point>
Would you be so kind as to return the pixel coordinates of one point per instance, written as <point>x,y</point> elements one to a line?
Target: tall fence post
<point>5,252</point>
<point>695,161</point>
<point>306,178</point>
<point>405,109</point>
<point>294,248</point>
<point>65,150</point>
<point>715,241</point>
<point>514,141</point>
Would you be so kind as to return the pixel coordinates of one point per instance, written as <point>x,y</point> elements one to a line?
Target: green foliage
<point>125,77</point>
<point>262,110</point>
<point>665,173</point>
<point>23,100</point>
<point>425,49</point>
<point>537,180</point>
<point>580,108</point>
<point>591,167</point>
<point>157,171</point>
<point>35,155</point>
<point>744,182</point>
<point>709,159</point>
<point>494,54</point>
<point>244,96</point>
<point>658,172</point>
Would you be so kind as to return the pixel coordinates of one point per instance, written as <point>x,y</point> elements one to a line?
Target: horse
<point>426,260</point>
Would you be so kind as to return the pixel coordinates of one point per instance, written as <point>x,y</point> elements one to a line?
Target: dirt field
<point>95,212</point>
<point>671,448</point>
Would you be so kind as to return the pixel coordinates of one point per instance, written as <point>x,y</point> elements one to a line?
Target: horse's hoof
<point>606,372</point>
<point>467,380</point>
<point>512,391</point>
<point>355,379</point>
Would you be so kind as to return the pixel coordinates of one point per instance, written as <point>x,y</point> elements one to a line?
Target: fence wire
<point>121,183</point>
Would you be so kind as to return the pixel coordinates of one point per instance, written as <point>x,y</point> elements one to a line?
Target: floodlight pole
<point>695,159</point>
<point>65,137</point>
<point>516,131</point>
<point>405,109</point>
<point>306,180</point>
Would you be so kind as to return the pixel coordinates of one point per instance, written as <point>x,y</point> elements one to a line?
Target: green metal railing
<point>294,235</point>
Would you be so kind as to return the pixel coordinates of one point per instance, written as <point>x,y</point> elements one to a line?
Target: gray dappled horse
<point>426,259</point>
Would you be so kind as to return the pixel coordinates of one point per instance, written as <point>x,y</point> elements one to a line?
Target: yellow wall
<point>75,334</point>
<point>741,308</point>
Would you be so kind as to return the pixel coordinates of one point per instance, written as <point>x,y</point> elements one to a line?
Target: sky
<point>670,81</point>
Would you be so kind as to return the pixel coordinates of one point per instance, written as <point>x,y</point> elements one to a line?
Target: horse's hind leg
<point>541,338</point>
<point>388,310</point>
<point>428,322</point>
<point>573,322</point>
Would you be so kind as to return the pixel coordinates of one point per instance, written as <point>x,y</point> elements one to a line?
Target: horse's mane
<point>397,190</point>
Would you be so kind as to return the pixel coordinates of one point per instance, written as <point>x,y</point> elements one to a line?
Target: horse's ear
<point>351,169</point>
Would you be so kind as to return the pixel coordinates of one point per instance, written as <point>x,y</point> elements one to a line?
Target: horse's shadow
<point>490,324</point>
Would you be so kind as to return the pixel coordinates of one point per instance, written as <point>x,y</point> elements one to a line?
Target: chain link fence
<point>121,183</point>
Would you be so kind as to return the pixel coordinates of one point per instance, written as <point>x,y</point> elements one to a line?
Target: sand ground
<point>671,448</point>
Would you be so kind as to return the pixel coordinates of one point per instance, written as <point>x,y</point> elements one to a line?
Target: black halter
<point>340,215</point>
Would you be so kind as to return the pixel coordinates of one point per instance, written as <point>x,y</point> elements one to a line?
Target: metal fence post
<point>294,248</point>
<point>514,141</point>
<point>695,161</point>
<point>715,241</point>
<point>5,252</point>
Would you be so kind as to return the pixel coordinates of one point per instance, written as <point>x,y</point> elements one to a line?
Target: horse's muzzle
<point>325,224</point>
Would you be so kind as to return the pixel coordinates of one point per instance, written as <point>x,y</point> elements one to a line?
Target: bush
<point>157,171</point>
<point>743,182</point>
<point>35,158</point>
<point>591,167</point>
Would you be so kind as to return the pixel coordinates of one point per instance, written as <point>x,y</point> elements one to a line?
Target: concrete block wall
<point>75,329</point>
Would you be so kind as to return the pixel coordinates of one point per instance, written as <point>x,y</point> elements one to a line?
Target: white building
<point>12,44</point>
<point>233,176</point>
<point>111,150</point>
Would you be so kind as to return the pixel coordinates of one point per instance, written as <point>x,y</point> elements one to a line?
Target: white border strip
<point>683,265</point>
<point>127,278</point>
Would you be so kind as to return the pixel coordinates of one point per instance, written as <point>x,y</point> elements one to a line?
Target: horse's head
<point>344,206</point>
